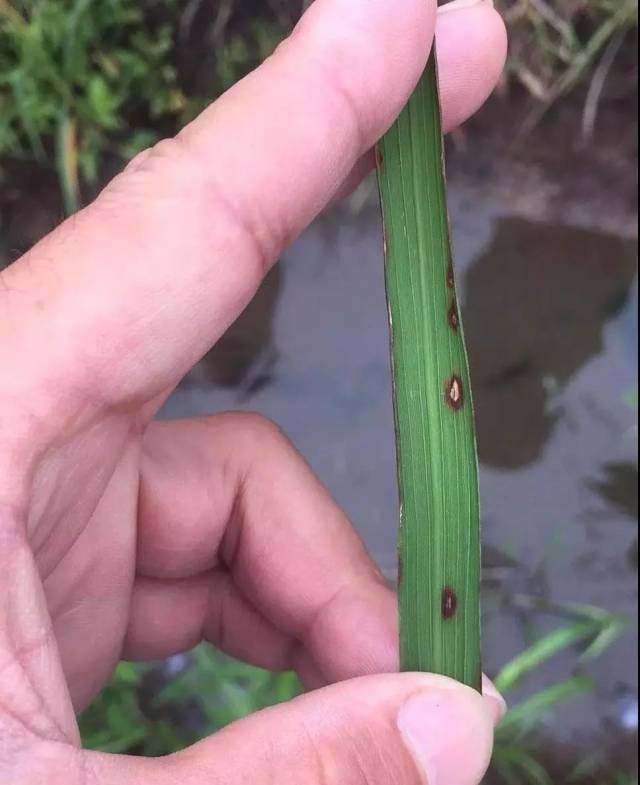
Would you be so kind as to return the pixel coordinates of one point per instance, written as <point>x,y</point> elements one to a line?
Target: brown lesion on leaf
<point>454,393</point>
<point>451,281</point>
<point>453,317</point>
<point>449,603</point>
<point>379,157</point>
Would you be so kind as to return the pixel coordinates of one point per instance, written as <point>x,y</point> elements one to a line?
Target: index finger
<point>129,293</point>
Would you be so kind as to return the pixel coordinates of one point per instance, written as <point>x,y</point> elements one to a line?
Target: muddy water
<point>550,310</point>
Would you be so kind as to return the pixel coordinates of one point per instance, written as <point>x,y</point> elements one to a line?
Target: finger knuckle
<point>178,168</point>
<point>338,63</point>
<point>259,431</point>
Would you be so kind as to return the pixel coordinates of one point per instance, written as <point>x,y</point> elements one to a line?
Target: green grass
<point>80,80</point>
<point>145,712</point>
<point>85,82</point>
<point>519,749</point>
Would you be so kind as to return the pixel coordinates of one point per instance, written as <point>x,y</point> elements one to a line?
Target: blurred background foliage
<point>155,710</point>
<point>559,45</point>
<point>86,84</point>
<point>158,709</point>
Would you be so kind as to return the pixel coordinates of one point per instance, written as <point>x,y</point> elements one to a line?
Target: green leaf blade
<point>437,464</point>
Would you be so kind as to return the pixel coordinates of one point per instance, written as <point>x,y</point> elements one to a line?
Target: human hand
<point>123,537</point>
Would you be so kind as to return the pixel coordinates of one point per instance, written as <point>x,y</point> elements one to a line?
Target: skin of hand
<point>125,537</point>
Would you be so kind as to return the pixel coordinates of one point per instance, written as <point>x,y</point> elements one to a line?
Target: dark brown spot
<point>449,603</point>
<point>454,319</point>
<point>379,157</point>
<point>451,281</point>
<point>455,393</point>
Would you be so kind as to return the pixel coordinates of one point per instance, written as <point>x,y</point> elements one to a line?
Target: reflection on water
<point>618,488</point>
<point>551,318</point>
<point>537,302</point>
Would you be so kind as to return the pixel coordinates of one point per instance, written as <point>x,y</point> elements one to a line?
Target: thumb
<point>405,729</point>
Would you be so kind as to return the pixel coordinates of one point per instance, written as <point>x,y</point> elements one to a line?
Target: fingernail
<point>449,733</point>
<point>459,5</point>
<point>498,705</point>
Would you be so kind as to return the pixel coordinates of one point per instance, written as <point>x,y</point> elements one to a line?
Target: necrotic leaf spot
<point>454,319</point>
<point>455,393</point>
<point>449,603</point>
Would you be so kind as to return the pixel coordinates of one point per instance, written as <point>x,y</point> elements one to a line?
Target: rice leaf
<point>439,569</point>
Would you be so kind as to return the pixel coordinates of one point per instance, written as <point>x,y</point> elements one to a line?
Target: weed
<point>80,80</point>
<point>516,759</point>
<point>155,710</point>
<point>83,81</point>
<point>557,45</point>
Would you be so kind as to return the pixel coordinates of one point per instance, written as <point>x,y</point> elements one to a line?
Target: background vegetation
<point>85,84</point>
<point>155,710</point>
